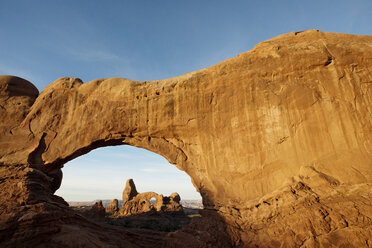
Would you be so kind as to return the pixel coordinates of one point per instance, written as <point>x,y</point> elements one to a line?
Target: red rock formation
<point>130,190</point>
<point>277,140</point>
<point>172,203</point>
<point>113,207</point>
<point>135,203</point>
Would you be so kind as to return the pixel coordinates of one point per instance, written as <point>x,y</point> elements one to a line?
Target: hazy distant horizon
<point>106,203</point>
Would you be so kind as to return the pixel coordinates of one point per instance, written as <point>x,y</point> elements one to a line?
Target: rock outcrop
<point>172,203</point>
<point>97,210</point>
<point>277,141</point>
<point>138,203</point>
<point>113,207</point>
<point>129,191</point>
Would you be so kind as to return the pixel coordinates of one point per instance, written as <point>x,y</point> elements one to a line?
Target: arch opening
<point>165,194</point>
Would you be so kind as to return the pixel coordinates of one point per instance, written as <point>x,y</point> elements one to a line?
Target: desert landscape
<point>277,141</point>
<point>141,210</point>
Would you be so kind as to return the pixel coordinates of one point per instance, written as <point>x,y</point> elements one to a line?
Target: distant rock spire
<point>130,191</point>
<point>114,206</point>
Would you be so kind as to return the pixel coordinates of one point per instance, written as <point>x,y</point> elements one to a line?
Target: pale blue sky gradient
<point>147,40</point>
<point>102,173</point>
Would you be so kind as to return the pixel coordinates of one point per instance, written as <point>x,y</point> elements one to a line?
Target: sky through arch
<point>102,173</point>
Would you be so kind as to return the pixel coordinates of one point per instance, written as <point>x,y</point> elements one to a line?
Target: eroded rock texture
<point>277,141</point>
<point>113,207</point>
<point>138,203</point>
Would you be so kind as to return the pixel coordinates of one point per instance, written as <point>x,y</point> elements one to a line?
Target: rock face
<point>277,141</point>
<point>172,203</point>
<point>129,191</point>
<point>135,203</point>
<point>113,207</point>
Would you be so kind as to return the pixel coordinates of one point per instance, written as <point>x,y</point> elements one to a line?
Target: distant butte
<point>278,141</point>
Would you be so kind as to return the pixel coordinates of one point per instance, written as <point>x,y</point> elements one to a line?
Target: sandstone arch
<point>277,141</point>
<point>138,203</point>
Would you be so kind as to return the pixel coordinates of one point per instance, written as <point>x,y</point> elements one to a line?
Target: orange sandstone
<point>278,141</point>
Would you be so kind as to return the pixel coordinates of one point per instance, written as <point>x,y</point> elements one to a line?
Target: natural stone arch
<point>284,128</point>
<point>138,203</point>
<point>57,136</point>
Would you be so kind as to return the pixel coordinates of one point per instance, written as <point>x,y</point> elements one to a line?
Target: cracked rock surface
<point>278,141</point>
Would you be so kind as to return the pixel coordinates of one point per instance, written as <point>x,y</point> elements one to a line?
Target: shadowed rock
<point>172,203</point>
<point>97,210</point>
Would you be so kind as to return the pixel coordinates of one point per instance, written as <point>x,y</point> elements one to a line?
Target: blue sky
<point>148,40</point>
<point>102,173</point>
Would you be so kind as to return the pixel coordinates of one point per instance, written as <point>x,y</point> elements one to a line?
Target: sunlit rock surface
<point>276,140</point>
<point>113,207</point>
<point>137,203</point>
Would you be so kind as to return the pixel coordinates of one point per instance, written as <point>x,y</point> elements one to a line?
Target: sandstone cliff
<point>276,140</point>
